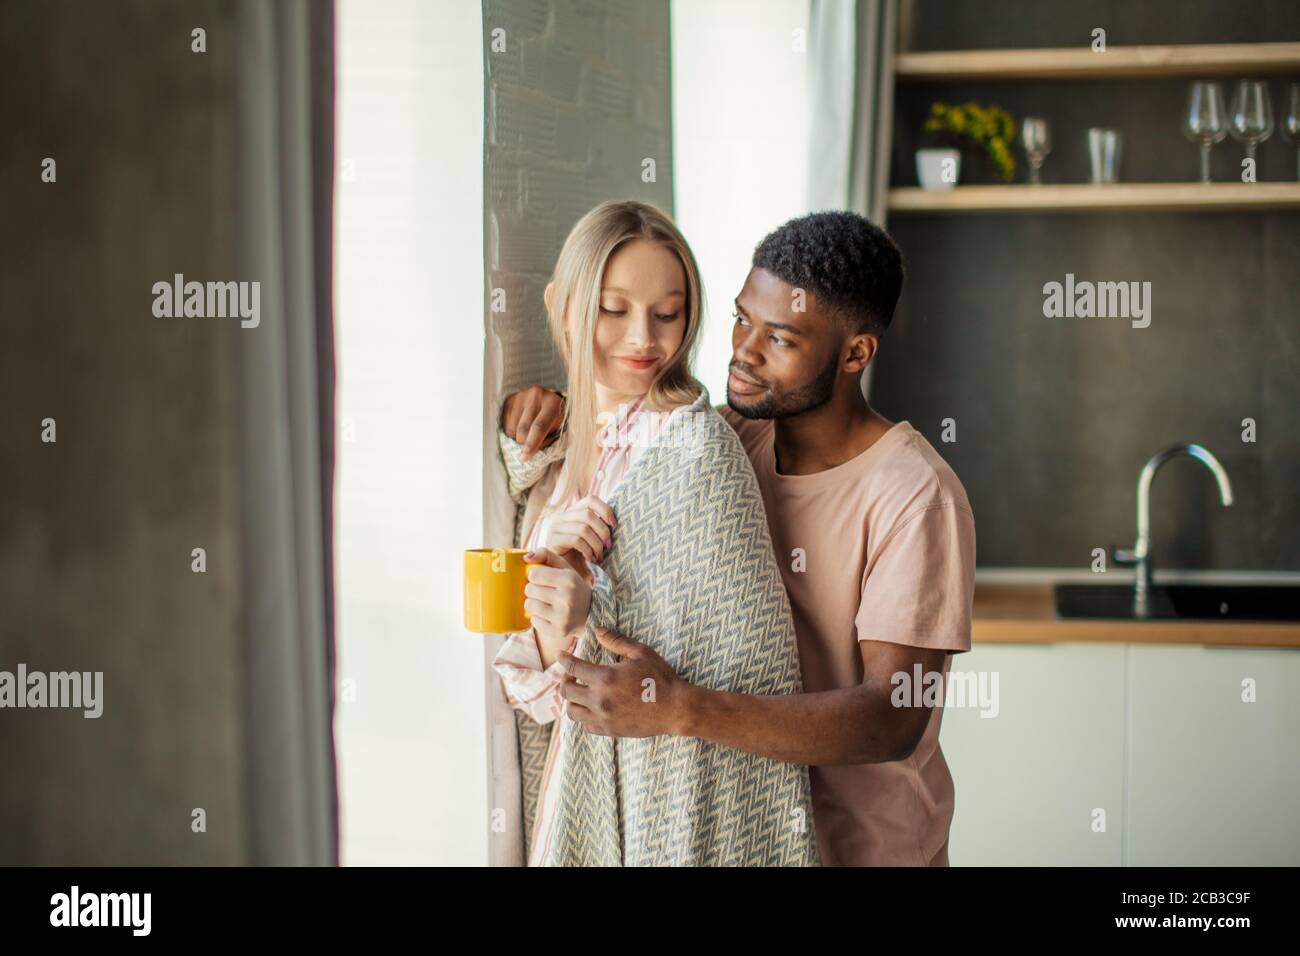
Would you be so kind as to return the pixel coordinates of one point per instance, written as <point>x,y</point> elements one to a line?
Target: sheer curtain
<point>409,247</point>
<point>742,109</point>
<point>851,81</point>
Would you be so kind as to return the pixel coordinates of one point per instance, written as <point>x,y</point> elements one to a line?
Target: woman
<point>649,521</point>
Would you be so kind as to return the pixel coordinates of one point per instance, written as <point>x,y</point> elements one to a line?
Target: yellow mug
<point>494,590</point>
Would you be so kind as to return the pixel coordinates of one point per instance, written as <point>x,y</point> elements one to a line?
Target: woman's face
<point>642,318</point>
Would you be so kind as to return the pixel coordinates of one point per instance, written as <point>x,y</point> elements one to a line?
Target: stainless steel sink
<point>1144,600</point>
<point>1205,602</point>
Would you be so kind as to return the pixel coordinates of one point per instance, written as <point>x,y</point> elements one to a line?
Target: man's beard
<point>786,404</point>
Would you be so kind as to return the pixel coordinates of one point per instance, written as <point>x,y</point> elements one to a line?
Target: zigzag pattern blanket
<point>692,574</point>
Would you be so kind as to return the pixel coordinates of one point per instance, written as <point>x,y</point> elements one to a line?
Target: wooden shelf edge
<point>1026,614</point>
<point>1208,59</point>
<point>1244,634</point>
<point>1081,197</point>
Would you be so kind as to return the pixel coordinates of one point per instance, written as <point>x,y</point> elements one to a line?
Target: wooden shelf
<point>1117,197</point>
<point>1211,59</point>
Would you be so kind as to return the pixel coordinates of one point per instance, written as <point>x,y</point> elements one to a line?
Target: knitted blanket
<point>691,573</point>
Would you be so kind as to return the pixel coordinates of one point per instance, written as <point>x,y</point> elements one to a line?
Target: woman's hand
<point>557,599</point>
<point>585,528</point>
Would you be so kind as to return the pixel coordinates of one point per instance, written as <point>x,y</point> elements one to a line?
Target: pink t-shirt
<point>880,548</point>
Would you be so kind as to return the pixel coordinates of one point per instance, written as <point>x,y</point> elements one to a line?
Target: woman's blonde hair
<point>578,275</point>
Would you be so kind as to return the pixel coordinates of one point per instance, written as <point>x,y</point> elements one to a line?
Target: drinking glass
<point>1291,125</point>
<point>1036,138</point>
<point>1204,119</point>
<point>1252,114</point>
<point>1103,155</point>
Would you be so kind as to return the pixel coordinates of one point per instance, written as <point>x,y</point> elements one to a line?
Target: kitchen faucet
<point>1140,556</point>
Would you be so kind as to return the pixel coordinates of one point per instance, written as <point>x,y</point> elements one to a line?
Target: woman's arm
<point>558,600</point>
<point>530,685</point>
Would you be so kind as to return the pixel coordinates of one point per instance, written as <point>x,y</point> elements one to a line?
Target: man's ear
<point>549,297</point>
<point>859,351</point>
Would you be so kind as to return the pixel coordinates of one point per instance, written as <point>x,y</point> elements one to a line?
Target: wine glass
<point>1036,138</point>
<point>1252,115</point>
<point>1204,120</point>
<point>1291,125</point>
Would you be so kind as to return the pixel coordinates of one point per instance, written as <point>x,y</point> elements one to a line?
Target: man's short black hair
<point>851,266</point>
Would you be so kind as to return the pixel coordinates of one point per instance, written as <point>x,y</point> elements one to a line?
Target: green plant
<point>989,129</point>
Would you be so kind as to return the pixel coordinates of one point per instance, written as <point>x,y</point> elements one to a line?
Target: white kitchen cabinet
<point>1029,780</point>
<point>1156,735</point>
<point>1213,780</point>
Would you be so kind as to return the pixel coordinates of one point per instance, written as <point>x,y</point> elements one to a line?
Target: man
<point>875,538</point>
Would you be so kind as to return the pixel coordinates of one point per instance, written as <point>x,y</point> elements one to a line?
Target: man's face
<point>783,362</point>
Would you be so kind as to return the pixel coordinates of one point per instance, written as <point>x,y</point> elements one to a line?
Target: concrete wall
<point>576,101</point>
<point>96,529</point>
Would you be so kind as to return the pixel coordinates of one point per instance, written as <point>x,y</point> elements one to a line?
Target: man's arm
<point>853,725</point>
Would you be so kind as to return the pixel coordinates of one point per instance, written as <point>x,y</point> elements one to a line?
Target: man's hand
<point>640,696</point>
<point>533,418</point>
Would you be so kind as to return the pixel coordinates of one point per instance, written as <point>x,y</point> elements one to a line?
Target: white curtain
<point>851,79</point>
